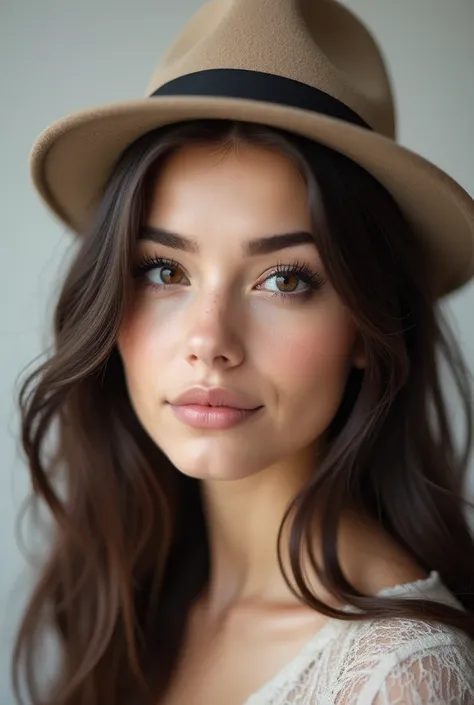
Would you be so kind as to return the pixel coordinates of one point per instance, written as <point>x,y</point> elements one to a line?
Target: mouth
<point>215,397</point>
<point>213,417</point>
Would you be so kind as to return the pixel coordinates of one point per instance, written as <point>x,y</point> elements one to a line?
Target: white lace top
<point>390,662</point>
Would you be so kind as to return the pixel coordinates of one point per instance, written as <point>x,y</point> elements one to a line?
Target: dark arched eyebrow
<point>258,246</point>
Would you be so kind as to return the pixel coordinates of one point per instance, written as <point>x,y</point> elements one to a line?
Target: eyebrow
<point>258,246</point>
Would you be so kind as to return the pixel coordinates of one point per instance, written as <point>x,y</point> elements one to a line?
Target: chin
<point>224,474</point>
<point>211,461</point>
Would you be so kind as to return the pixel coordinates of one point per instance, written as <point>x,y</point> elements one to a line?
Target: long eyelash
<point>304,271</point>
<point>150,262</point>
<point>301,269</point>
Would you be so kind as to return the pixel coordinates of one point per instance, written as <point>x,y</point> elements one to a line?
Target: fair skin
<point>220,319</point>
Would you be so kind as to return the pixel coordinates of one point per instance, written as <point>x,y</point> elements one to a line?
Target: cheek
<point>141,347</point>
<point>312,357</point>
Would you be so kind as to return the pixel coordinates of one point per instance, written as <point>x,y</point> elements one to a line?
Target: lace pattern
<point>389,662</point>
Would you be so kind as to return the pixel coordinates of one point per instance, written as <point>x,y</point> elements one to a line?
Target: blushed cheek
<point>311,365</point>
<point>309,357</point>
<point>140,345</point>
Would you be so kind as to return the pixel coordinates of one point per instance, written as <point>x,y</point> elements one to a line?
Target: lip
<point>215,397</point>
<point>212,417</point>
<point>213,407</point>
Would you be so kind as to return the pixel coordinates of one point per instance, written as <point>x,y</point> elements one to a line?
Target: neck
<point>243,519</point>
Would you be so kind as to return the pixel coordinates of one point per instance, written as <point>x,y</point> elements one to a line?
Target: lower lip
<point>213,417</point>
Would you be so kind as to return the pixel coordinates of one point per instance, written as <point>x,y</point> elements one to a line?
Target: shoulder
<point>403,662</point>
<point>395,661</point>
<point>371,559</point>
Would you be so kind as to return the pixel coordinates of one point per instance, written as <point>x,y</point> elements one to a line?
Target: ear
<point>359,357</point>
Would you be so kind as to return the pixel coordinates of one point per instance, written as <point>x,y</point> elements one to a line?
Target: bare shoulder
<point>371,559</point>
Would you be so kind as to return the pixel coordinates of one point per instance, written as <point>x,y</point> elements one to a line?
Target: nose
<point>213,338</point>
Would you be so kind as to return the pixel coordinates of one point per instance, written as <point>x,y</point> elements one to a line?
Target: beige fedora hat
<point>307,66</point>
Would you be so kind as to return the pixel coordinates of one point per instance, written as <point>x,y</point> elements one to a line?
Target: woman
<point>261,498</point>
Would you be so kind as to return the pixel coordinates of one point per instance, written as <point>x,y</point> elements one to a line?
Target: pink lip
<point>212,417</point>
<point>215,396</point>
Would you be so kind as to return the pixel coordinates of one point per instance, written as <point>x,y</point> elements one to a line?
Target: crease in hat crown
<point>304,40</point>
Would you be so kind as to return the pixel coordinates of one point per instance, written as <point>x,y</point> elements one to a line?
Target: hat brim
<point>72,159</point>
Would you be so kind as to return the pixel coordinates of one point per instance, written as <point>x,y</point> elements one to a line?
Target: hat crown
<point>317,42</point>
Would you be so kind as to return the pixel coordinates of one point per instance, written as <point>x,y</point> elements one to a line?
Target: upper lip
<point>214,396</point>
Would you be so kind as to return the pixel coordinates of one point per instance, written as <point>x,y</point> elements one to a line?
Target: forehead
<point>241,187</point>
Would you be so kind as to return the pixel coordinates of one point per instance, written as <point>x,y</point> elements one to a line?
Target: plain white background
<point>58,56</point>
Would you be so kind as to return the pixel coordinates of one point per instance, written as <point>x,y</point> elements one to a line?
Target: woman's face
<point>227,313</point>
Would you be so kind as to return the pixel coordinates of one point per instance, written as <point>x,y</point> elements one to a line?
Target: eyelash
<point>304,272</point>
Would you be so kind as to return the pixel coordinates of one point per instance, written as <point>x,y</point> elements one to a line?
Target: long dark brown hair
<point>129,552</point>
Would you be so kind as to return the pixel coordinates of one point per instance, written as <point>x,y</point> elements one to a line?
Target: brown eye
<point>295,281</point>
<point>159,273</point>
<point>170,275</point>
<point>287,283</point>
